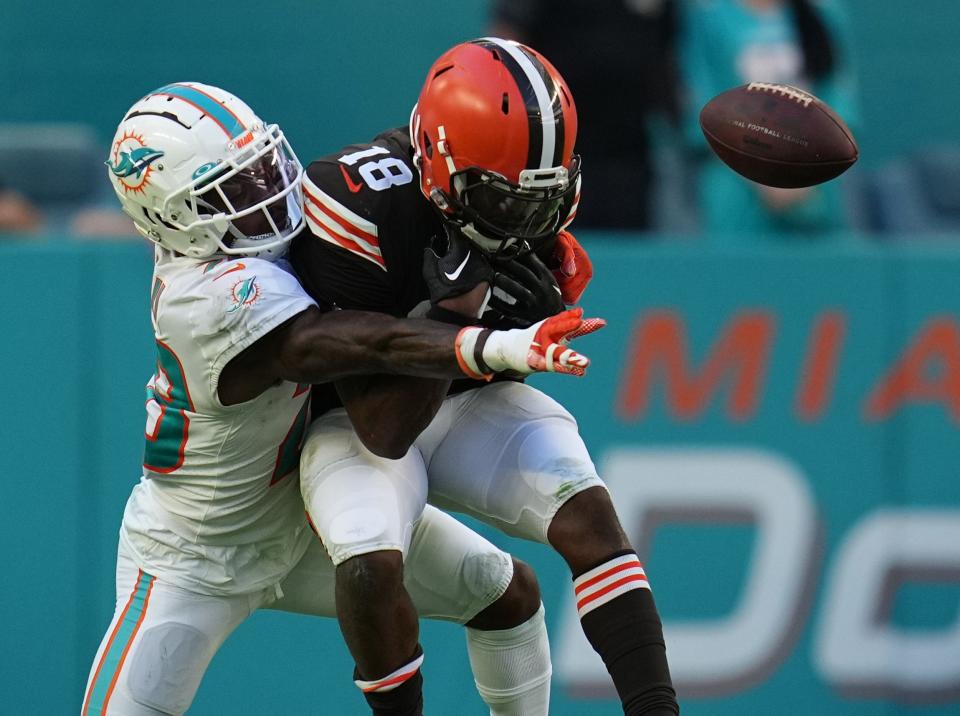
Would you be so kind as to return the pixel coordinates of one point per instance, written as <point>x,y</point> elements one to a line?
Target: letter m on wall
<point>658,354</point>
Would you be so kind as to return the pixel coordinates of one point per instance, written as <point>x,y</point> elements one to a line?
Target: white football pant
<point>163,637</point>
<point>504,453</point>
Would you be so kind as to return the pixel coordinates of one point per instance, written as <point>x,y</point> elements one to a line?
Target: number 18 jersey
<point>218,509</point>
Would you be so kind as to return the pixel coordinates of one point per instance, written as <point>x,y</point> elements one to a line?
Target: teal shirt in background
<point>725,43</point>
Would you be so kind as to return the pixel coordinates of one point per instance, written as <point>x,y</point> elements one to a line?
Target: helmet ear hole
<point>160,219</point>
<point>505,103</point>
<point>427,146</point>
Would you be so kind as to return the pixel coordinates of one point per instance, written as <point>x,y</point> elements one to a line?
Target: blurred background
<point>774,403</point>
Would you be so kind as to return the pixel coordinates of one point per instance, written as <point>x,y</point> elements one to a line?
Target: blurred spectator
<point>617,57</point>
<point>17,215</point>
<point>102,222</point>
<point>72,197</point>
<point>725,43</point>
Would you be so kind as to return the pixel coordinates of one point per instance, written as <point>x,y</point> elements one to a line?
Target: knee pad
<point>363,530</point>
<point>487,574</point>
<point>168,665</point>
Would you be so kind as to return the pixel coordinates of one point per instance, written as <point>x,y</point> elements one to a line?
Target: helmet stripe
<point>210,106</point>
<point>542,98</point>
<point>556,107</point>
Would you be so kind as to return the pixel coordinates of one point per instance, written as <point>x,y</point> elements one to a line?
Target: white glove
<point>542,347</point>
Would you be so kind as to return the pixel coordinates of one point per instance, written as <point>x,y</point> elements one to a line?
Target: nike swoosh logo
<point>351,185</point>
<point>235,267</point>
<point>453,276</point>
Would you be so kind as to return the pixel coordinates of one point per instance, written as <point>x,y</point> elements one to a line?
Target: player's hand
<point>524,291</point>
<point>454,266</point>
<point>540,348</point>
<point>574,270</point>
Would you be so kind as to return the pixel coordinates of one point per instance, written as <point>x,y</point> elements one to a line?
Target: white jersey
<point>218,509</point>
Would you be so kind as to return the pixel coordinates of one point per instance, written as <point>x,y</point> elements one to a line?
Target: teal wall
<point>329,73</point>
<point>336,72</point>
<point>77,351</point>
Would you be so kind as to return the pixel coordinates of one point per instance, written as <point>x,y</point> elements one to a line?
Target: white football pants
<point>163,637</point>
<point>504,453</point>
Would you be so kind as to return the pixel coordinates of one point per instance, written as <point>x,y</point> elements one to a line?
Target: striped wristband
<point>469,350</point>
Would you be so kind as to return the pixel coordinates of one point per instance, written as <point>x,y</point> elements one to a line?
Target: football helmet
<point>200,173</point>
<point>493,133</point>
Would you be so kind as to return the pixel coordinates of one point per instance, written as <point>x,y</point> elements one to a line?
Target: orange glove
<point>575,270</point>
<point>542,347</point>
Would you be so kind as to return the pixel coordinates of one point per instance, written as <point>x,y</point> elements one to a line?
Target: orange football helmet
<point>493,134</point>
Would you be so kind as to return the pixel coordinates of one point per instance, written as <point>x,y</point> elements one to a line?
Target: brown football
<point>778,135</point>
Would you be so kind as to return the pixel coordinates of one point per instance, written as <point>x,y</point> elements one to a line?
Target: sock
<point>620,620</point>
<point>511,667</point>
<point>397,694</point>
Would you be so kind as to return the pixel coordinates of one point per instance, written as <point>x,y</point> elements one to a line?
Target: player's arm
<point>316,347</point>
<point>388,412</point>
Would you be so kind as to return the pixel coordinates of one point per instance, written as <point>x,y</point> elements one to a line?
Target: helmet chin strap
<point>253,243</point>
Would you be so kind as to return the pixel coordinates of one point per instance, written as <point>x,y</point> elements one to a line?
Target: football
<point>778,135</point>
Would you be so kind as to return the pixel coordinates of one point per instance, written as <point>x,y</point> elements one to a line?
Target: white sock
<point>511,667</point>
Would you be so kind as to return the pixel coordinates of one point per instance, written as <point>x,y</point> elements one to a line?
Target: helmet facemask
<point>508,218</point>
<point>250,201</point>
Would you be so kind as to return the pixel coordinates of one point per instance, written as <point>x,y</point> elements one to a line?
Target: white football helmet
<point>200,173</point>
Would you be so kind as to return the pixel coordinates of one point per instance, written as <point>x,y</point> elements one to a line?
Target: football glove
<point>574,270</point>
<point>542,347</point>
<point>453,266</point>
<point>524,291</point>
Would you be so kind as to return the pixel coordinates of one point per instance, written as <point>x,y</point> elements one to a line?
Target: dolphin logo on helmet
<point>134,162</point>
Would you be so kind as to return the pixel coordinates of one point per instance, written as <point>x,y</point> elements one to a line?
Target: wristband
<point>467,344</point>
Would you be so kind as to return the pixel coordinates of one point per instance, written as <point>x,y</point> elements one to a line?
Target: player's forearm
<point>389,412</point>
<point>317,347</point>
<point>341,343</point>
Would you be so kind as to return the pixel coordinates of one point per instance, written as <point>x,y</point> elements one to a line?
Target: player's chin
<point>256,224</point>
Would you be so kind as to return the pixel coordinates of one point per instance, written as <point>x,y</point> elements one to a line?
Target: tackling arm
<point>316,347</point>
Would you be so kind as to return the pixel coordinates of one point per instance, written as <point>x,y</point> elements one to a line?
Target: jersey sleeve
<point>242,301</point>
